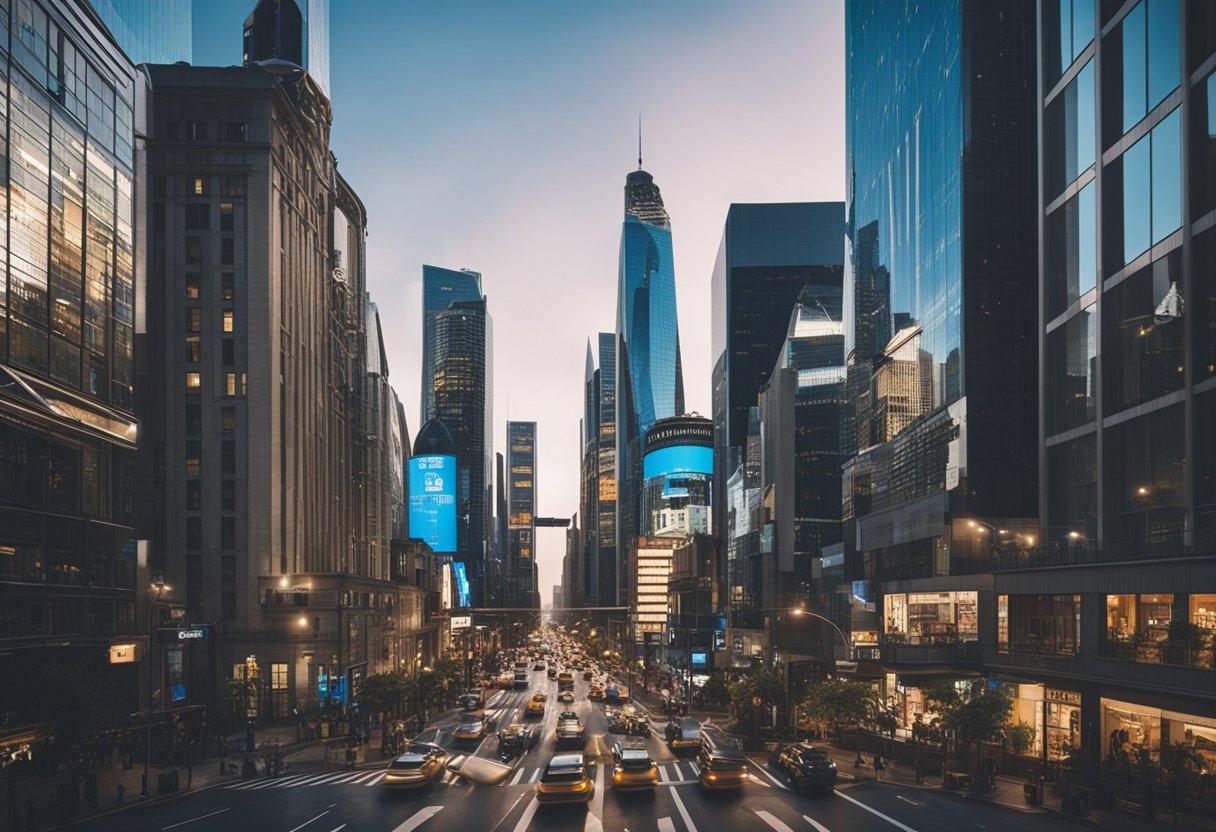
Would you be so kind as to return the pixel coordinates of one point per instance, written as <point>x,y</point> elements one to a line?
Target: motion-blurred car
<point>536,705</point>
<point>421,764</point>
<point>472,700</point>
<point>470,731</point>
<point>538,666</point>
<point>565,780</point>
<point>552,671</point>
<point>569,733</point>
<point>805,766</point>
<point>514,740</point>
<point>683,735</point>
<point>565,696</point>
<point>633,768</point>
<point>595,693</point>
<point>586,675</point>
<point>612,692</point>
<point>721,768</point>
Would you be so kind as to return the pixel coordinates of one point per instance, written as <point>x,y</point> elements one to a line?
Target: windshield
<point>723,765</point>
<point>562,777</point>
<point>637,763</point>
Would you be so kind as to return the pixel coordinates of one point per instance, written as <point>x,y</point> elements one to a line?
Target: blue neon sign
<point>678,459</point>
<point>462,585</point>
<point>432,489</point>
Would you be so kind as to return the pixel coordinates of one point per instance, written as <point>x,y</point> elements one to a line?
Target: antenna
<point>639,141</point>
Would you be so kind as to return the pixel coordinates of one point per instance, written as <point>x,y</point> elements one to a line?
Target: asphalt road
<point>497,798</point>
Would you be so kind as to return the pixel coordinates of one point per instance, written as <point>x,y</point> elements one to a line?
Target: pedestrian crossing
<point>363,777</point>
<point>669,774</point>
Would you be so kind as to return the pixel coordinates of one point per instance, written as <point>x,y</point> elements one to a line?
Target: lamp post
<point>159,587</point>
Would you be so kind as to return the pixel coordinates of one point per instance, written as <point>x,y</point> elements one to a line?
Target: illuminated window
<point>194,319</point>
<point>230,384</point>
<point>228,320</point>
<point>193,349</point>
<point>199,190</point>
<point>193,381</point>
<point>192,286</point>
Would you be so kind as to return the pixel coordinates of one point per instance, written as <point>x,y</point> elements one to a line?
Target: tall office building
<point>295,31</point>
<point>462,384</point>
<point>150,33</point>
<point>440,289</point>
<point>521,499</point>
<point>940,117</point>
<point>1111,612</point>
<point>598,484</point>
<point>69,575</point>
<point>649,378</point>
<point>768,254</point>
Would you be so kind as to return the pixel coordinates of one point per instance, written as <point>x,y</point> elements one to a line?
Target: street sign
<point>462,622</point>
<point>197,633</point>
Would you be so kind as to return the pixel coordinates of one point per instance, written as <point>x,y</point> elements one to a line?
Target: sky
<point>496,136</point>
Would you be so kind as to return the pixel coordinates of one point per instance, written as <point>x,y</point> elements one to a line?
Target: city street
<point>478,793</point>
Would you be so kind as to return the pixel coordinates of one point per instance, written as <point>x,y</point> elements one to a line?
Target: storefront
<point>1138,735</point>
<point>1063,728</point>
<point>931,617</point>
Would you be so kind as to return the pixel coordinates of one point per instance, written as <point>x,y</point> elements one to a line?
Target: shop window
<point>1044,624</point>
<point>1063,720</point>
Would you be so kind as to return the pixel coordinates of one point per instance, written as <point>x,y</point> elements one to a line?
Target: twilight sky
<point>496,136</point>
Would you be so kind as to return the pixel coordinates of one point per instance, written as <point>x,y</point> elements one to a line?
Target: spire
<point>639,141</point>
<point>589,371</point>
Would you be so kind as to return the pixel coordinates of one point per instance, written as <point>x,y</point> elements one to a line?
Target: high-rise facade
<point>440,289</point>
<point>150,33</point>
<point>521,499</point>
<point>462,385</point>
<point>69,573</point>
<point>768,254</point>
<point>598,493</point>
<point>649,378</point>
<point>295,31</point>
<point>1111,611</point>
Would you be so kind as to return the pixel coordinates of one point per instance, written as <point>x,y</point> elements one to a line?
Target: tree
<point>383,692</point>
<point>973,713</point>
<point>753,697</point>
<point>715,693</point>
<point>76,711</point>
<point>238,693</point>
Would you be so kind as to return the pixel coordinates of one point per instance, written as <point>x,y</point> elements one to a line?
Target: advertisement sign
<point>462,622</point>
<point>125,653</point>
<point>432,500</point>
<point>193,634</point>
<point>678,459</point>
<point>177,692</point>
<point>462,585</point>
<point>699,658</point>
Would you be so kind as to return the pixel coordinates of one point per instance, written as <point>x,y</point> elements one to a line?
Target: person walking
<point>878,767</point>
<point>919,767</point>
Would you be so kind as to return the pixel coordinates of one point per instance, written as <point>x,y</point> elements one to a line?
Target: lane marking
<point>535,776</point>
<point>819,827</point>
<point>519,775</point>
<point>876,813</point>
<point>663,774</point>
<point>675,795</point>
<point>375,779</point>
<point>765,772</point>
<point>595,817</point>
<point>665,825</point>
<point>338,828</point>
<point>200,817</point>
<point>773,821</point>
<point>367,776</point>
<point>420,817</point>
<point>905,800</point>
<point>523,821</point>
<point>305,823</point>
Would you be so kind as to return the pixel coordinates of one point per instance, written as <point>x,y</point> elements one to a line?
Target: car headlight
<point>832,766</point>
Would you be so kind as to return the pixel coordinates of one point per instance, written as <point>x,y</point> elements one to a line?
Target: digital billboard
<point>462,585</point>
<point>678,459</point>
<point>432,489</point>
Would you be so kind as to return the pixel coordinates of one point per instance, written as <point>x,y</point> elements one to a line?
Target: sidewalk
<point>57,801</point>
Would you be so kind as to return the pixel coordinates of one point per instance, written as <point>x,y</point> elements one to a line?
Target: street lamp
<point>159,587</point>
<point>847,644</point>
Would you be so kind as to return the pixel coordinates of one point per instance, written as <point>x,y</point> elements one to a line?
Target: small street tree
<point>715,693</point>
<point>840,702</point>
<point>383,692</point>
<point>753,697</point>
<point>973,713</point>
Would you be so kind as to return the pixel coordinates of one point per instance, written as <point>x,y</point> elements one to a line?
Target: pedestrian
<point>878,767</point>
<point>189,768</point>
<point>919,766</point>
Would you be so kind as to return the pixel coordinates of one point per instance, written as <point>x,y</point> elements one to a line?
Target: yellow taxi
<point>536,705</point>
<point>595,693</point>
<point>417,767</point>
<point>470,731</point>
<point>722,768</point>
<point>565,781</point>
<point>633,768</point>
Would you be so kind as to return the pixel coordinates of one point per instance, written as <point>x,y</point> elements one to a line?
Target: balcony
<point>898,649</point>
<point>290,600</point>
<point>1147,650</point>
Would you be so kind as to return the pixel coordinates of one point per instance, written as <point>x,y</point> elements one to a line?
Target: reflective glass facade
<point>159,32</point>
<point>939,302</point>
<point>521,505</point>
<point>440,288</point>
<point>291,30</point>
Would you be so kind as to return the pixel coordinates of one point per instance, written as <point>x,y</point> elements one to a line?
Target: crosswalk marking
<point>304,782</point>
<point>418,818</point>
<point>663,774</point>
<point>376,779</point>
<point>368,776</point>
<point>454,764</point>
<point>665,825</point>
<point>519,775</point>
<point>535,776</point>
<point>773,821</point>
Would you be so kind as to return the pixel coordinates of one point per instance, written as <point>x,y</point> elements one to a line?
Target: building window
<point>1148,206</point>
<point>228,320</point>
<point>278,689</point>
<point>1071,380</point>
<point>234,131</point>
<point>193,349</point>
<point>228,495</point>
<point>228,456</point>
<point>1143,63</point>
<point>1144,503</point>
<point>228,351</point>
<point>1068,27</point>
<point>198,217</point>
<point>194,417</point>
<point>1072,492</point>
<point>198,186</point>
<point>227,252</point>
<point>228,533</point>
<point>1137,627</point>
<point>1068,126</point>
<point>194,251</point>
<point>226,223</point>
<point>1043,624</point>
<point>194,532</point>
<point>228,418</point>
<point>1203,275</point>
<point>194,319</point>
<point>234,186</point>
<point>1203,144</point>
<point>1145,353</point>
<point>192,286</point>
<point>227,286</point>
<point>1071,252</point>
<point>229,384</point>
<point>194,381</point>
<point>194,495</point>
<point>193,455</point>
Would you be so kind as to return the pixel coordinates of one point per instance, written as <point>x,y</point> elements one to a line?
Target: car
<point>569,732</point>
<point>618,722</point>
<point>470,731</point>
<point>612,692</point>
<point>472,699</point>
<point>567,714</point>
<point>633,768</point>
<point>514,740</point>
<point>552,672</point>
<point>806,767</point>
<point>721,768</point>
<point>538,666</point>
<point>683,735</point>
<point>536,705</point>
<point>565,696</point>
<point>595,693</point>
<point>565,680</point>
<point>506,681</point>
<point>419,766</point>
<point>521,679</point>
<point>565,780</point>
<point>586,675</point>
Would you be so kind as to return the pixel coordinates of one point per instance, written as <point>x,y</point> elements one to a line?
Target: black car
<point>618,723</point>
<point>586,675</point>
<point>805,766</point>
<point>515,740</point>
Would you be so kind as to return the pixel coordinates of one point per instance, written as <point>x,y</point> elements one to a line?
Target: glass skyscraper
<point>440,289</point>
<point>521,507</point>
<point>649,381</point>
<point>160,32</point>
<point>296,31</point>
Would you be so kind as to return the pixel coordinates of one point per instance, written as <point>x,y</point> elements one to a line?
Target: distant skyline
<point>497,137</point>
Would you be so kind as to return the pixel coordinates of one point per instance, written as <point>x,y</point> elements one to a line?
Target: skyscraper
<point>150,33</point>
<point>598,485</point>
<point>649,378</point>
<point>464,401</point>
<point>440,288</point>
<point>521,527</point>
<point>295,31</point>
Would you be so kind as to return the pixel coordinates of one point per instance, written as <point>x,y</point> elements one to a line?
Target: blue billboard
<point>462,585</point>
<point>432,490</point>
<point>678,459</point>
